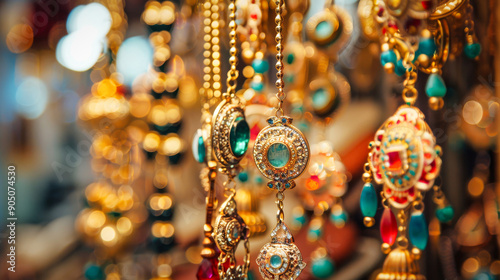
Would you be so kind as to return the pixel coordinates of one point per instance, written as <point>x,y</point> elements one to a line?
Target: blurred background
<point>99,102</point>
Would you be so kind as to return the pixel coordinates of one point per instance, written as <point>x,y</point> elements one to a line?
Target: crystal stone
<point>239,136</point>
<point>278,155</point>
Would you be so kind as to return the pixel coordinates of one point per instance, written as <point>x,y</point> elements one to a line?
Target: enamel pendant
<point>280,259</point>
<point>281,153</point>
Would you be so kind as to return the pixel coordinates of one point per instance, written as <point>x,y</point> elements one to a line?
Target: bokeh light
<point>32,97</point>
<point>134,58</point>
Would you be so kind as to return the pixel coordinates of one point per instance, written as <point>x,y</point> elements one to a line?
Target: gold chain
<point>216,64</point>
<point>280,84</point>
<point>469,24</point>
<point>232,74</point>
<point>280,215</point>
<point>410,93</point>
<point>206,92</point>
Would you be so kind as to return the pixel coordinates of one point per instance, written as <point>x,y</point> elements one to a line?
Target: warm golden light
<point>472,112</point>
<point>475,186</point>
<point>108,234</point>
<point>96,219</point>
<point>124,226</point>
<point>20,38</point>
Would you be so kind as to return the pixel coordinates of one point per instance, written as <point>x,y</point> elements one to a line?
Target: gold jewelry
<point>230,137</point>
<point>281,153</point>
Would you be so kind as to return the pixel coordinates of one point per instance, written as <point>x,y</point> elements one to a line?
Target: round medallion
<point>281,152</point>
<point>328,95</point>
<point>230,133</point>
<point>330,28</point>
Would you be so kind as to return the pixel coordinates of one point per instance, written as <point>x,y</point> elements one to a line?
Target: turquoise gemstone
<point>290,58</point>
<point>445,214</point>
<point>257,86</point>
<point>339,219</point>
<point>314,233</point>
<point>235,233</point>
<point>299,220</point>
<point>275,261</point>
<point>472,50</point>
<point>201,149</point>
<point>320,99</point>
<point>418,231</point>
<point>324,30</point>
<point>484,275</point>
<point>435,86</point>
<point>388,57</point>
<point>243,176</point>
<point>239,136</point>
<point>427,46</point>
<point>94,272</point>
<point>400,70</point>
<point>323,268</point>
<point>278,155</point>
<point>260,66</point>
<point>368,201</point>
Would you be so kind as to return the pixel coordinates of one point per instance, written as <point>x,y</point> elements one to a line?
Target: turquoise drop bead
<point>418,231</point>
<point>388,57</point>
<point>257,86</point>
<point>435,86</point>
<point>323,268</point>
<point>368,201</point>
<point>275,261</point>
<point>427,46</point>
<point>278,155</point>
<point>400,70</point>
<point>94,272</point>
<point>324,30</point>
<point>445,214</point>
<point>260,66</point>
<point>239,136</point>
<point>472,50</point>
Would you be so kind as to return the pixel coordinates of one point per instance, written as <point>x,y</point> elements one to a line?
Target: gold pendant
<point>281,153</point>
<point>280,259</point>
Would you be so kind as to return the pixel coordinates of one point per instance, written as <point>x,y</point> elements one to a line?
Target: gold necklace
<point>281,153</point>
<point>230,137</point>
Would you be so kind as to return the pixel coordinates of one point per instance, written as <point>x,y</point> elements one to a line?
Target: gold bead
<point>386,248</point>
<point>436,103</point>
<point>416,253</point>
<point>389,67</point>
<point>367,177</point>
<point>369,221</point>
<point>423,60</point>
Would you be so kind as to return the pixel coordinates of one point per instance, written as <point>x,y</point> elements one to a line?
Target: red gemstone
<point>254,16</point>
<point>427,4</point>
<point>388,227</point>
<point>380,11</point>
<point>208,269</point>
<point>395,162</point>
<point>254,131</point>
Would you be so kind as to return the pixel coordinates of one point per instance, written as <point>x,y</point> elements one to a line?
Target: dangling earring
<point>281,153</point>
<point>230,137</point>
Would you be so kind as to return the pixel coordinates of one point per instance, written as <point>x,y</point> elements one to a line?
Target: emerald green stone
<point>472,50</point>
<point>435,86</point>
<point>323,268</point>
<point>427,46</point>
<point>239,136</point>
<point>388,57</point>
<point>324,30</point>
<point>445,214</point>
<point>201,150</point>
<point>320,99</point>
<point>260,66</point>
<point>275,261</point>
<point>290,58</point>
<point>243,176</point>
<point>418,231</point>
<point>278,155</point>
<point>368,201</point>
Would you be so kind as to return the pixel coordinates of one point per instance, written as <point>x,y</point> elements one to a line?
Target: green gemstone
<point>435,86</point>
<point>290,58</point>
<point>472,50</point>
<point>368,201</point>
<point>323,268</point>
<point>260,66</point>
<point>243,176</point>
<point>239,136</point>
<point>388,57</point>
<point>201,150</point>
<point>94,272</point>
<point>418,231</point>
<point>324,30</point>
<point>320,99</point>
<point>275,261</point>
<point>427,46</point>
<point>235,233</point>
<point>445,214</point>
<point>278,155</point>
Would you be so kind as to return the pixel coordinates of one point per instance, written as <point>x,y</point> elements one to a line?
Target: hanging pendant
<point>280,259</point>
<point>229,230</point>
<point>281,153</point>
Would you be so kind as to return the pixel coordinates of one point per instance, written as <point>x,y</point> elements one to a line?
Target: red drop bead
<point>208,269</point>
<point>388,227</point>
